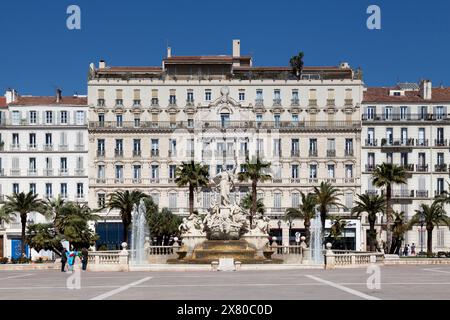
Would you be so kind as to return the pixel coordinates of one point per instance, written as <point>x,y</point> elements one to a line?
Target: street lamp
<point>279,227</point>
<point>422,222</point>
<point>290,224</point>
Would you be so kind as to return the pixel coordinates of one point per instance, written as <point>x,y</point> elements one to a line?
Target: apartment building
<point>409,125</point>
<point>44,143</point>
<point>143,121</point>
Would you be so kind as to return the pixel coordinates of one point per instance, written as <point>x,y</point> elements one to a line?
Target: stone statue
<point>260,226</point>
<point>192,226</point>
<point>224,181</point>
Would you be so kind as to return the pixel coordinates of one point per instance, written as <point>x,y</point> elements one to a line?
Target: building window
<point>155,172</point>
<point>294,171</point>
<point>101,172</point>
<point>33,117</point>
<point>241,95</point>
<point>33,188</point>
<point>331,171</point>
<point>295,199</point>
<point>313,171</point>
<point>119,121</point>
<point>80,117</point>
<point>277,200</point>
<point>136,147</point>
<point>101,119</point>
<point>348,201</point>
<point>101,200</point>
<point>49,117</point>
<point>15,117</point>
<point>349,171</point>
<point>137,173</point>
<point>119,173</point>
<point>155,147</point>
<point>63,165</point>
<point>172,200</point>
<point>207,95</point>
<point>190,96</point>
<point>48,190</point>
<point>15,188</point>
<point>440,237</point>
<point>63,190</point>
<point>172,171</point>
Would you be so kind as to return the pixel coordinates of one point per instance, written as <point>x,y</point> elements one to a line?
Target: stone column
<point>285,236</point>
<point>329,257</point>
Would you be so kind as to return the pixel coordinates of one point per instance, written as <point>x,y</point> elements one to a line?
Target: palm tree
<point>372,205</point>
<point>247,201</point>
<point>306,211</point>
<point>22,204</point>
<point>53,207</point>
<point>255,172</point>
<point>337,228</point>
<point>296,63</point>
<point>326,196</point>
<point>433,215</point>
<point>194,175</point>
<point>399,227</point>
<point>124,202</point>
<point>384,176</point>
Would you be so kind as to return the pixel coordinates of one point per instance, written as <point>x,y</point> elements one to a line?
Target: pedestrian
<point>71,259</point>
<point>405,250</point>
<point>413,249</point>
<point>84,258</point>
<point>64,255</point>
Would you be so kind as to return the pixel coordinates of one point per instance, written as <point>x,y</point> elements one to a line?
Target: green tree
<point>22,204</point>
<point>247,201</point>
<point>72,224</point>
<point>384,176</point>
<point>43,236</point>
<point>163,224</point>
<point>306,211</point>
<point>372,205</point>
<point>124,202</point>
<point>255,172</point>
<point>433,215</point>
<point>326,196</point>
<point>296,63</point>
<point>193,175</point>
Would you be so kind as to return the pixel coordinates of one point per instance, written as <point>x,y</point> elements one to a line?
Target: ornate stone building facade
<point>144,121</point>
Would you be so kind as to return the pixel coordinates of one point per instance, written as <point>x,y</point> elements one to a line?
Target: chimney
<point>102,64</point>
<point>10,95</point>
<point>169,52</point>
<point>58,95</point>
<point>236,48</point>
<point>426,89</point>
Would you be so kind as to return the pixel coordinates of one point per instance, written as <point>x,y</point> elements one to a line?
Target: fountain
<point>139,234</point>
<point>225,232</point>
<point>316,240</point>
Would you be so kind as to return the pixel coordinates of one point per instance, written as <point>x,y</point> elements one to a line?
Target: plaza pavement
<point>397,282</point>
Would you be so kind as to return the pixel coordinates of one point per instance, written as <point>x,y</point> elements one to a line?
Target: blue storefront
<point>110,235</point>
<point>16,249</point>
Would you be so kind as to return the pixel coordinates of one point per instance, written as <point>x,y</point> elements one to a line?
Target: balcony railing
<point>370,167</point>
<point>100,153</point>
<point>15,172</point>
<point>421,168</point>
<point>277,102</point>
<point>79,171</point>
<point>408,167</point>
<point>48,147</point>
<point>32,172</point>
<point>331,153</point>
<point>15,147</point>
<point>312,102</point>
<point>32,146</point>
<point>79,147</point>
<point>295,102</point>
<point>441,167</point>
<point>372,192</point>
<point>405,117</point>
<point>118,153</point>
<point>422,142</point>
<point>282,125</point>
<point>348,102</point>
<point>313,153</point>
<point>63,147</point>
<point>63,172</point>
<point>331,102</point>
<point>402,193</point>
<point>440,142</point>
<point>48,172</point>
<point>397,142</point>
<point>371,142</point>
<point>155,152</point>
<point>349,152</point>
<point>421,193</point>
<point>295,153</point>
<point>259,102</point>
<point>172,153</point>
<point>136,153</point>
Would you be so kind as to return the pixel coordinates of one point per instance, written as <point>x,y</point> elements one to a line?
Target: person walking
<point>413,249</point>
<point>84,258</point>
<point>405,250</point>
<point>71,259</point>
<point>64,255</point>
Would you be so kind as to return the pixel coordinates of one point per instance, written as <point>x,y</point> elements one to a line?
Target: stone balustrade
<point>350,259</point>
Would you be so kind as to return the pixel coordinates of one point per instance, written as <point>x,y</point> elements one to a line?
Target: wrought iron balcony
<point>422,168</point>
<point>155,153</point>
<point>440,142</point>
<point>63,172</point>
<point>312,102</point>
<point>118,153</point>
<point>295,102</point>
<point>349,152</point>
<point>402,193</point>
<point>100,102</point>
<point>421,193</point>
<point>276,102</point>
<point>371,142</point>
<point>48,172</point>
<point>295,153</point>
<point>441,167</point>
<point>331,102</point>
<point>370,167</point>
<point>331,153</point>
<point>313,153</point>
<point>259,101</point>
<point>136,153</point>
<point>101,153</point>
<point>422,142</point>
<point>48,147</point>
<point>404,117</point>
<point>32,146</point>
<point>408,167</point>
<point>348,102</point>
<point>155,102</point>
<point>32,172</point>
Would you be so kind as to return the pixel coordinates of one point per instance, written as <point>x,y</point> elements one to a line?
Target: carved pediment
<point>277,109</point>
<point>172,110</point>
<point>225,100</point>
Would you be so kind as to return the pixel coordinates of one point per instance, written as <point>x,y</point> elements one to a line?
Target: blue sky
<point>39,53</point>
